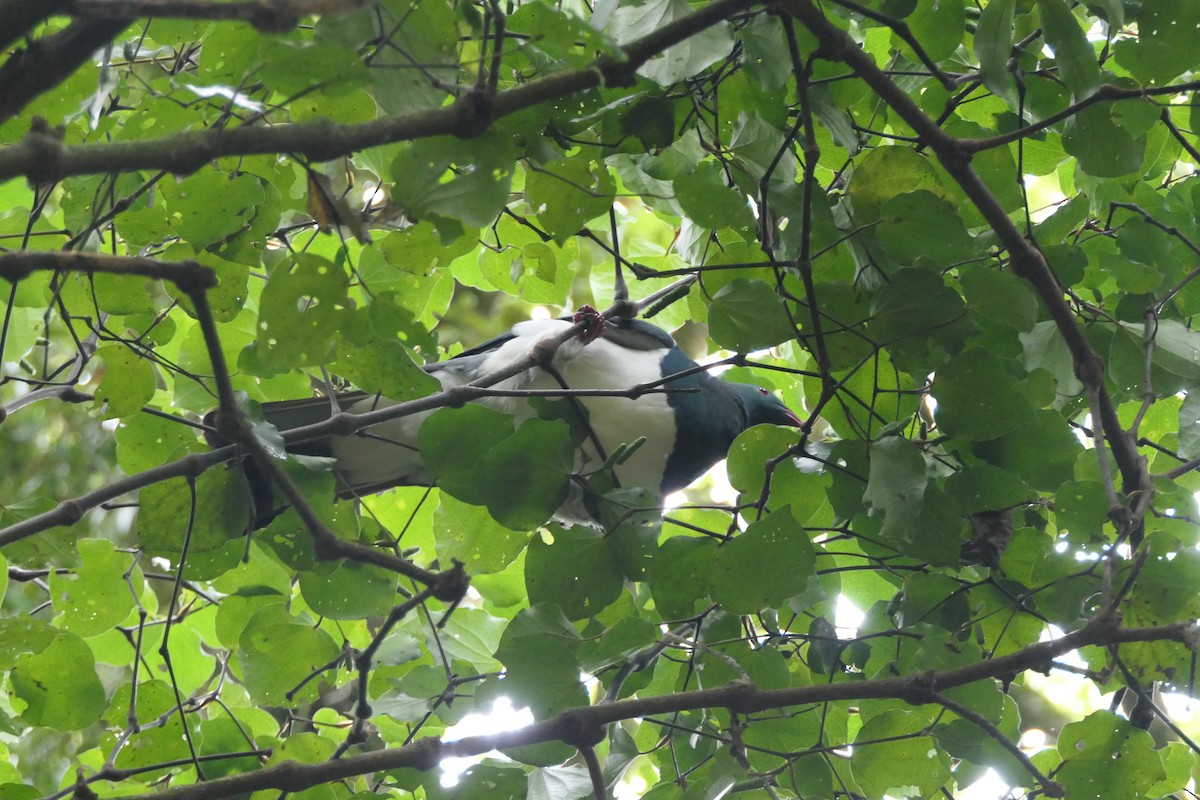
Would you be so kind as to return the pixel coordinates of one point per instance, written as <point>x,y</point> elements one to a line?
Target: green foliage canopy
<point>959,239</point>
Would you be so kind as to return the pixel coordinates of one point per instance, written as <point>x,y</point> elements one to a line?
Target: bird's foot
<point>593,324</point>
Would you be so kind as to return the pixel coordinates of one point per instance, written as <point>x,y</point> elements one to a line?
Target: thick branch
<point>17,17</point>
<point>269,17</point>
<point>1027,261</point>
<point>189,276</point>
<point>69,512</point>
<point>41,157</point>
<point>581,724</point>
<point>50,60</point>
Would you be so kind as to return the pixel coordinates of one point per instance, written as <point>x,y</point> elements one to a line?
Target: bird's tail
<point>378,458</point>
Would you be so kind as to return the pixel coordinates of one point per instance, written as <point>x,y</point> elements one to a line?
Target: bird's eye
<point>762,391</point>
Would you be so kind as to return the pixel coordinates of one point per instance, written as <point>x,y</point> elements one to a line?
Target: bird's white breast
<point>615,420</point>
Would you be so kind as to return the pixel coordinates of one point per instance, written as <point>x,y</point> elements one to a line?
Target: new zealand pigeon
<point>684,432</point>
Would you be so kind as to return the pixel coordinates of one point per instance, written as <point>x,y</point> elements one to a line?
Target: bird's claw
<point>593,324</point>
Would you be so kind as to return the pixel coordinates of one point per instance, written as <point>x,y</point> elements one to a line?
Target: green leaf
<point>1042,452</point>
<point>565,195</point>
<point>344,589</point>
<point>683,60</point>
<point>210,206</point>
<point>1103,757</point>
<point>651,120</point>
<point>237,609</point>
<point>888,172</point>
<point>1177,764</point>
<point>128,382</point>
<point>1131,277</point>
<point>1147,244</point>
<point>1076,60</point>
<point>58,685</point>
<point>938,25</point>
<point>484,782</point>
<point>1081,509</point>
<point>747,467</point>
<point>429,36</point>
<point>967,741</point>
<point>356,106</point>
<point>468,534</point>
<point>228,297</point>
<point>1111,11</point>
<point>276,652</point>
<point>977,398</point>
<point>1063,221</point>
<point>552,35</point>
<point>94,598</point>
<point>763,41</point>
<point>892,758</point>
<point>538,652</point>
<point>1189,426</point>
<point>23,636</point>
<point>292,69</point>
<point>919,318</point>
<point>748,315</point>
<point>123,294</point>
<point>1171,590</point>
<point>672,571</point>
<point>372,351</point>
<point>898,476</point>
<point>560,783</point>
<point>1163,49</point>
<point>301,304</point>
<point>758,146</point>
<point>618,643</point>
<point>217,521</point>
<point>1176,348</point>
<point>933,600</point>
<point>525,266</point>
<point>711,204</point>
<point>982,487</point>
<point>553,576</point>
<point>1045,348</point>
<point>445,177</point>
<point>1103,148</point>
<point>904,231</point>
<point>219,737</point>
<point>416,250</point>
<point>159,744</point>
<point>473,452</point>
<point>1000,297</point>
<point>835,118</point>
<point>993,48</point>
<point>769,562</point>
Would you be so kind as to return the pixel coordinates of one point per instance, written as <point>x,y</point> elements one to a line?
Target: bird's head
<point>764,408</point>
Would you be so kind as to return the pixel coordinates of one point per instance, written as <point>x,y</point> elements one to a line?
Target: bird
<point>679,433</point>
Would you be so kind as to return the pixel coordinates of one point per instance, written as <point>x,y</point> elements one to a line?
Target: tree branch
<point>43,158</point>
<point>69,512</point>
<point>50,60</point>
<point>268,17</point>
<point>189,276</point>
<point>17,17</point>
<point>739,696</point>
<point>1027,261</point>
